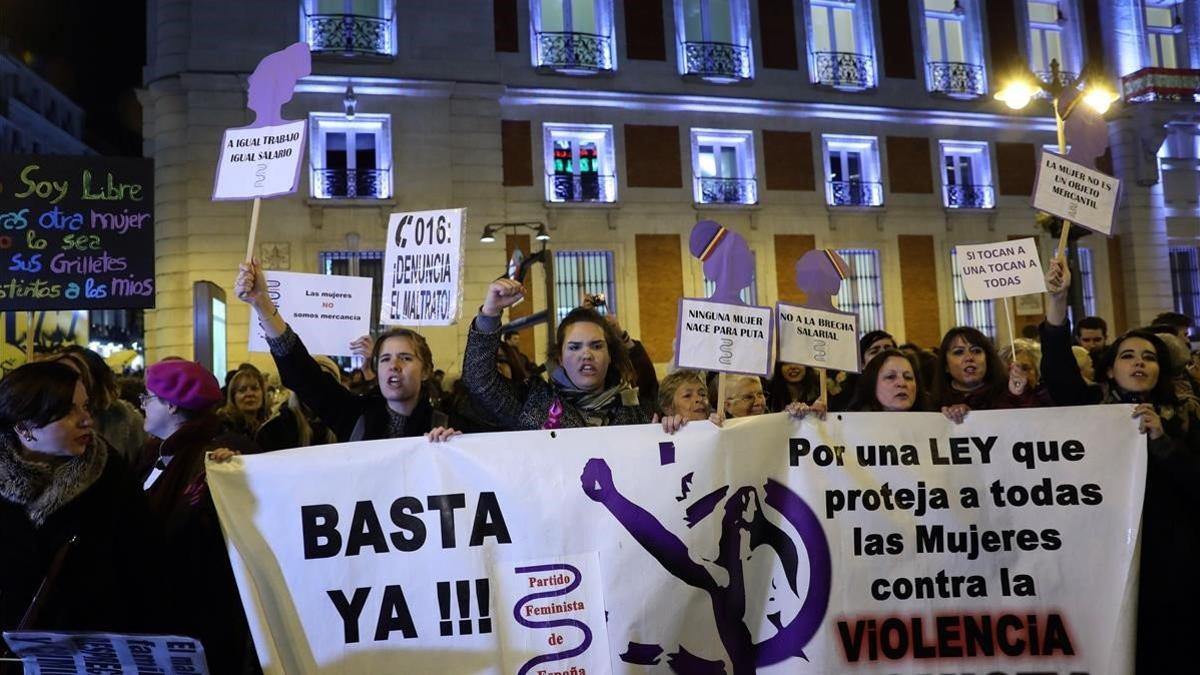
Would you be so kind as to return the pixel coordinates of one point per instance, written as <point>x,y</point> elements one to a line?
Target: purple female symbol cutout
<point>726,258</point>
<point>819,273</point>
<point>272,82</point>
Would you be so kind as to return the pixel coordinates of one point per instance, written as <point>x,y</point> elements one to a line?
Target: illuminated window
<point>1163,33</point>
<point>350,158</point>
<point>723,166</point>
<point>840,39</point>
<point>572,36</point>
<point>579,273</point>
<point>579,163</point>
<point>852,170</point>
<point>714,39</point>
<point>861,292</point>
<point>966,175</point>
<point>351,27</point>
<point>978,314</point>
<point>1054,36</point>
<point>955,62</point>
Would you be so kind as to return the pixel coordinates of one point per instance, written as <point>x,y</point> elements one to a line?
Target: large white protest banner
<point>422,270</point>
<point>260,161</point>
<point>724,337</point>
<point>815,337</point>
<point>1073,191</point>
<point>867,543</point>
<point>1000,270</point>
<point>58,653</point>
<point>328,312</point>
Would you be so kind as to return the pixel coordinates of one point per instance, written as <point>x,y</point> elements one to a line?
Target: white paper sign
<point>817,338</point>
<point>1000,270</point>
<point>56,653</point>
<point>422,273</point>
<point>327,311</point>
<point>1079,194</point>
<point>558,607</point>
<point>725,338</point>
<point>260,161</point>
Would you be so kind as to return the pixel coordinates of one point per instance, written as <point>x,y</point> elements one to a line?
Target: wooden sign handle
<point>824,386</point>
<point>721,396</point>
<point>253,229</point>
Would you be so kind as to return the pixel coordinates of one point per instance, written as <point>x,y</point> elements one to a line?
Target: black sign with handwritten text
<point>76,232</point>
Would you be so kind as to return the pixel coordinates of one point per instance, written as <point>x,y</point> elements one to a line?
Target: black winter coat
<point>109,577</point>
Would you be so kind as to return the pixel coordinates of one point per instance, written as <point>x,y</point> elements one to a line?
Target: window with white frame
<point>978,314</point>
<point>852,170</point>
<point>714,39</point>
<point>840,40</point>
<point>579,163</point>
<point>350,158</point>
<point>723,166</point>
<point>1053,37</point>
<point>572,36</point>
<point>357,264</point>
<point>966,175</point>
<point>861,292</point>
<point>1185,279</point>
<point>955,64</point>
<point>355,27</point>
<point>579,273</point>
<point>749,294</point>
<point>1164,37</point>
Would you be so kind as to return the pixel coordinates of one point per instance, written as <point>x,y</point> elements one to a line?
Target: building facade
<point>867,126</point>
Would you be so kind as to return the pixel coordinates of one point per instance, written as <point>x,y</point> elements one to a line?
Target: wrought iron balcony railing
<point>716,190</point>
<point>716,60</point>
<point>970,196</point>
<point>844,70</point>
<point>351,183</point>
<point>588,187</point>
<point>574,52</point>
<point>855,193</point>
<point>1161,84</point>
<point>954,78</point>
<point>350,34</point>
<point>1064,76</point>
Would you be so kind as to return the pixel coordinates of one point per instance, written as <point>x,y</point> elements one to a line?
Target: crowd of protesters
<point>107,524</point>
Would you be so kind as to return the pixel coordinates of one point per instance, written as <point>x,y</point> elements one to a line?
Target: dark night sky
<point>93,51</point>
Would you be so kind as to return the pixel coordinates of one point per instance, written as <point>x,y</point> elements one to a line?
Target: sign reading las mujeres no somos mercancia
<point>1079,194</point>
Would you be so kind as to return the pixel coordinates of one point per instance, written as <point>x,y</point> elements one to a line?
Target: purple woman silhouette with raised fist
<point>272,82</point>
<point>742,517</point>
<point>726,258</point>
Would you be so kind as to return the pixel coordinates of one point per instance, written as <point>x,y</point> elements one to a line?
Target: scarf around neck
<point>588,401</point>
<point>41,488</point>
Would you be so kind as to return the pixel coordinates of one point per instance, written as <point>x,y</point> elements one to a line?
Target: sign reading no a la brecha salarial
<point>422,273</point>
<point>76,232</point>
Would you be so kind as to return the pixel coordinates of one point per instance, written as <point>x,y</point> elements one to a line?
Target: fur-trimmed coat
<point>110,573</point>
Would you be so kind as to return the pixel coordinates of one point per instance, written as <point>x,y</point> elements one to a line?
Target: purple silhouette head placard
<point>1086,133</point>
<point>272,82</point>
<point>819,273</point>
<point>726,258</point>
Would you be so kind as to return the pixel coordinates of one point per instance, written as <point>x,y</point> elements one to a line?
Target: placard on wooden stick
<point>722,333</point>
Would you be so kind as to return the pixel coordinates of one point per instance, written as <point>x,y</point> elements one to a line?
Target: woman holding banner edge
<point>1134,371</point>
<point>400,357</point>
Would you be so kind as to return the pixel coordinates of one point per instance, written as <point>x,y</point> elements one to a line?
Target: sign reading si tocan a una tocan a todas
<point>76,232</point>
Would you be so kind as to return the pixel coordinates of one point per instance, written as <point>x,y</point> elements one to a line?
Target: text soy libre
<point>109,189</point>
<point>743,325</point>
<point>323,538</point>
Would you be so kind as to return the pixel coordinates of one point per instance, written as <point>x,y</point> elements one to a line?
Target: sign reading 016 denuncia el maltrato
<point>76,232</point>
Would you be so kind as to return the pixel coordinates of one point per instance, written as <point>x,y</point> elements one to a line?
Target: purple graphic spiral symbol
<point>556,623</point>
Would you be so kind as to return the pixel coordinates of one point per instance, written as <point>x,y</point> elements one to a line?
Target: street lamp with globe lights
<point>1096,95</point>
